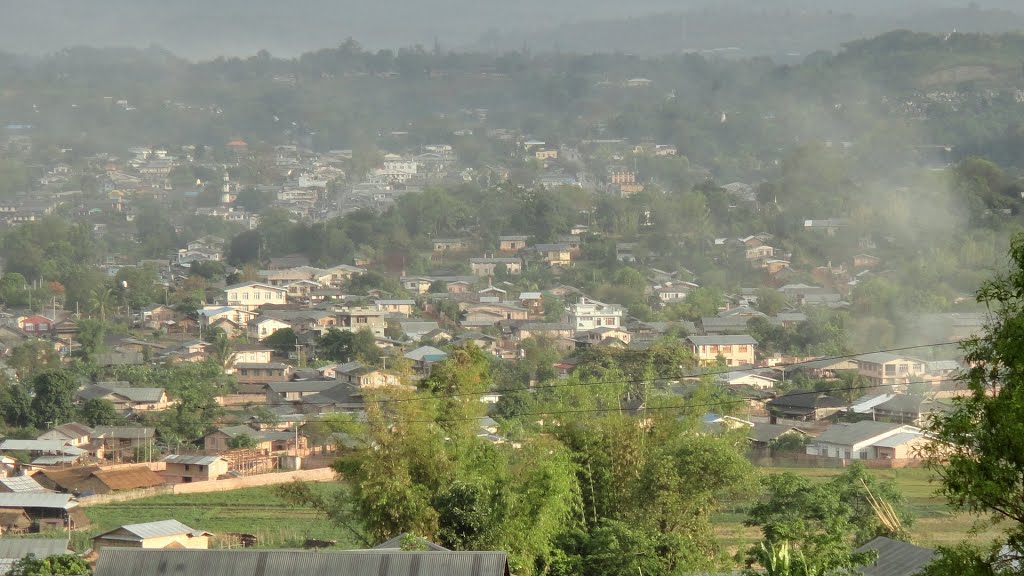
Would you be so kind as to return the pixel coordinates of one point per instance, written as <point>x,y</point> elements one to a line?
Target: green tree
<point>825,522</point>
<point>282,341</point>
<point>770,302</point>
<point>32,357</point>
<point>222,351</point>
<point>15,405</point>
<point>242,441</point>
<point>344,346</point>
<point>91,336</point>
<point>54,398</point>
<point>99,412</point>
<point>56,565</point>
<point>977,443</point>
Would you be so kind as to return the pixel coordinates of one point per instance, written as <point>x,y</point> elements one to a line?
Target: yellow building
<point>734,350</point>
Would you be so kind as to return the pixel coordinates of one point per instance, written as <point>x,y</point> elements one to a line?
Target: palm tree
<point>222,351</point>
<point>100,300</point>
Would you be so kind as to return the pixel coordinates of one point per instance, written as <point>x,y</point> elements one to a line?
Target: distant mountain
<point>204,29</point>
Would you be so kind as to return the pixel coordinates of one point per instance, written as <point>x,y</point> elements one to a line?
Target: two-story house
<point>736,350</point>
<point>887,369</point>
<point>252,295</point>
<point>361,318</point>
<point>587,314</point>
<point>262,373</point>
<point>264,327</point>
<point>557,255</point>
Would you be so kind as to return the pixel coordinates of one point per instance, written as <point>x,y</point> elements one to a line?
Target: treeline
<point>342,97</point>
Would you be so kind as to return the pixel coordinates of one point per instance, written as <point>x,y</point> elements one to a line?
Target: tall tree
<point>54,398</point>
<point>979,448</point>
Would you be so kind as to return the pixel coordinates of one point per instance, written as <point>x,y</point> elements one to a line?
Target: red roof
<point>237,143</point>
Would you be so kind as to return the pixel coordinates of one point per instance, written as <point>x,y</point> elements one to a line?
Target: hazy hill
<point>200,29</point>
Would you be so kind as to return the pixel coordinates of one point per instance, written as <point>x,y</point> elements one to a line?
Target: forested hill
<point>895,91</point>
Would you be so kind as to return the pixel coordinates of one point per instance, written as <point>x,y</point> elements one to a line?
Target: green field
<point>257,511</point>
<point>278,524</point>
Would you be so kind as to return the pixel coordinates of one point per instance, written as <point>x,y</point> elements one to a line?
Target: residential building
<point>368,377</point>
<point>887,369</point>
<point>120,442</point>
<point>126,398</point>
<point>252,354</point>
<point>184,468</point>
<point>734,350</point>
<point>403,307</point>
<point>169,534</point>
<point>71,434</point>
<point>512,243</point>
<point>857,440</point>
<point>587,314</point>
<point>803,406</point>
<point>450,244</point>
<point>361,318</point>
<point>264,327</point>
<point>263,373</point>
<point>557,255</point>
<point>252,295</point>
<point>95,480</point>
<point>484,267</point>
<point>36,325</point>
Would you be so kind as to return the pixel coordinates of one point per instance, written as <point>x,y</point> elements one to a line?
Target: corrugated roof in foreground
<point>41,547</point>
<point>141,562</point>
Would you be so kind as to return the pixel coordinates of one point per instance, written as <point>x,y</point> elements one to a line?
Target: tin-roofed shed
<point>134,562</point>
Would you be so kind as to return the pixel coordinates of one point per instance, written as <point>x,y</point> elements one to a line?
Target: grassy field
<point>279,524</point>
<point>275,523</point>
<point>935,523</point>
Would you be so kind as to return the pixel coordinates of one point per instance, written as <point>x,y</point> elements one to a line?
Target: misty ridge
<point>202,30</point>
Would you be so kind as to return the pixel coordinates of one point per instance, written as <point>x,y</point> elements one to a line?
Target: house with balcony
<point>587,314</point>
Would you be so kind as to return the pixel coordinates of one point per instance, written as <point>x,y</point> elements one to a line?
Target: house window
<point>713,349</point>
<point>43,327</point>
<point>863,455</point>
<point>727,349</point>
<point>245,295</point>
<point>186,467</point>
<point>30,327</point>
<point>890,370</point>
<point>904,369</point>
<point>743,349</point>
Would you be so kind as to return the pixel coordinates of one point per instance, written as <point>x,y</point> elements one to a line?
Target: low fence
<point>811,461</point>
<point>317,475</point>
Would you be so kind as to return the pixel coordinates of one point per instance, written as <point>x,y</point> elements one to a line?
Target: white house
<point>587,315</point>
<point>252,295</point>
<point>857,440</point>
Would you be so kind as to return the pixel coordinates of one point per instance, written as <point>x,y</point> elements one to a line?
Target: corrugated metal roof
<point>156,529</point>
<point>135,562</point>
<point>22,484</point>
<point>895,558</point>
<point>33,445</point>
<point>37,500</point>
<point>186,459</point>
<point>898,439</point>
<point>16,548</point>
